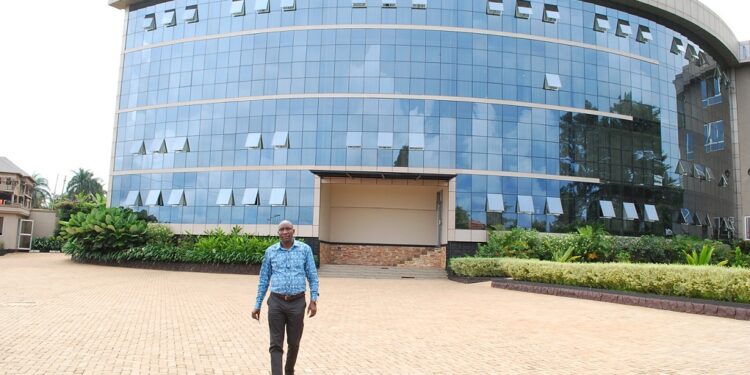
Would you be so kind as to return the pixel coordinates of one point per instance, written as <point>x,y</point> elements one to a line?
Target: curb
<point>720,309</point>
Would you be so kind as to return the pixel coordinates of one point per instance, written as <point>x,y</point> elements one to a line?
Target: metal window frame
<point>644,34</point>
<point>138,148</point>
<point>623,29</point>
<point>354,139</point>
<point>191,14</point>
<point>179,144</point>
<point>677,47</point>
<point>416,141</point>
<point>418,4</point>
<point>280,139</point>
<point>288,5</point>
<point>524,9</point>
<point>260,8</point>
<point>552,82</point>
<point>158,146</point>
<point>149,22</point>
<point>154,198</point>
<point>169,18</point>
<point>601,23</point>
<point>385,140</point>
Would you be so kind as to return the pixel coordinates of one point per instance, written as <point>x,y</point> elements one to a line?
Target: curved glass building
<point>393,131</point>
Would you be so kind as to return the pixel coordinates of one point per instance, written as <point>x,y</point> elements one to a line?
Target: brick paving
<point>59,317</point>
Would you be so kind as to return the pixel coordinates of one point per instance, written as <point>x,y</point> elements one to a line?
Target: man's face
<point>286,232</point>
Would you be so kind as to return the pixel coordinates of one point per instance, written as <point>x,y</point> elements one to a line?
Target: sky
<point>58,82</point>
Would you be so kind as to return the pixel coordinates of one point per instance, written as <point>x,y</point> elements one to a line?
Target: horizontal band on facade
<point>403,27</point>
<point>359,169</point>
<point>385,96</point>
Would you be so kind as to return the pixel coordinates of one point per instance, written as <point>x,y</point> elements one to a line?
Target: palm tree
<point>41,195</point>
<point>83,181</point>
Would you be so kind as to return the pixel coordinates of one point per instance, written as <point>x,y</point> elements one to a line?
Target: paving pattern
<point>59,317</point>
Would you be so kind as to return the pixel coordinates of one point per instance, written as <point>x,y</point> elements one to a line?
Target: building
<point>389,129</point>
<point>19,222</point>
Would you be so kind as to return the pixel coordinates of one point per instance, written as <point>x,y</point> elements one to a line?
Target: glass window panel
<point>158,146</point>
<point>179,144</point>
<point>133,199</point>
<point>682,168</point>
<point>699,172</point>
<point>154,198</point>
<point>495,203</point>
<point>278,197</point>
<point>177,198</point>
<point>623,29</point>
<point>607,209</point>
<point>149,22</point>
<point>554,206</point>
<point>494,7</point>
<point>601,23</point>
<point>191,14</point>
<point>354,139</point>
<point>525,205</point>
<point>685,216</point>
<point>288,5</point>
<point>697,219</point>
<point>385,140</point>
<point>262,6</point>
<point>677,47</point>
<point>629,211</point>
<point>238,8</point>
<point>250,197</point>
<point>551,13</point>
<point>523,9</point>
<point>416,141</point>
<point>225,198</point>
<point>389,3</point>
<point>359,3</point>
<point>644,34</point>
<point>138,148</point>
<point>169,18</point>
<point>723,181</point>
<point>650,213</point>
<point>552,82</point>
<point>280,140</point>
<point>419,4</point>
<point>254,140</point>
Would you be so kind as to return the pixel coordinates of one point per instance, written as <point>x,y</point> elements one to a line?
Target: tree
<point>83,181</point>
<point>41,195</point>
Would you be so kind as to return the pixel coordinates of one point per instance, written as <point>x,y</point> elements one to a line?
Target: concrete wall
<point>396,212</point>
<point>10,231</point>
<point>45,222</point>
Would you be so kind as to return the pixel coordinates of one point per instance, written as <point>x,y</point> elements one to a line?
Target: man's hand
<point>256,314</point>
<point>312,309</point>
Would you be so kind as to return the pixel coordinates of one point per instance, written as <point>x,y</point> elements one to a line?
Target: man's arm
<point>312,279</point>
<point>263,280</point>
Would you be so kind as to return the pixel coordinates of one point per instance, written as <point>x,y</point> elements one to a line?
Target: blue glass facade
<point>622,126</point>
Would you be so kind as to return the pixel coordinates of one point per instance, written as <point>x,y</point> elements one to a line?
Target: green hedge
<point>707,282</point>
<point>47,243</point>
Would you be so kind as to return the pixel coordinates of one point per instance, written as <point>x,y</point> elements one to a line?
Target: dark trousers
<point>290,315</point>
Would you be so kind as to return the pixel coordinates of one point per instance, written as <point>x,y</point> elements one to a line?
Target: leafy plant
<point>565,256</point>
<point>739,260</point>
<point>105,229</point>
<point>702,259</point>
<point>160,235</point>
<point>517,243</point>
<point>593,243</point>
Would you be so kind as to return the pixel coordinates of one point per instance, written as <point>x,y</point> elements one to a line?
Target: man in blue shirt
<point>286,264</point>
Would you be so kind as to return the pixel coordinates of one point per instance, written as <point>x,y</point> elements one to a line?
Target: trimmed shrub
<point>47,243</point>
<point>707,282</point>
<point>517,243</point>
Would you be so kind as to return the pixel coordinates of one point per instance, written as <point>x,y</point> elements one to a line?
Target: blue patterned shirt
<point>286,271</point>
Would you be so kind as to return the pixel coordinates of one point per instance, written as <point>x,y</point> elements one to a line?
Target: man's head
<point>286,232</point>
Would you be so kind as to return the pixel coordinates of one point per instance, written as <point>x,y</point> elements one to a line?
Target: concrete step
<point>379,272</point>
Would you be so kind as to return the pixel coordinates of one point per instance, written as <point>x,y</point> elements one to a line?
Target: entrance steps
<point>380,272</point>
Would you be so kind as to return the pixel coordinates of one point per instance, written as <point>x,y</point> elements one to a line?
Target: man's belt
<point>286,297</point>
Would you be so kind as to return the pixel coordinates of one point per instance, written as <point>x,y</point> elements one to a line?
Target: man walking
<point>286,265</point>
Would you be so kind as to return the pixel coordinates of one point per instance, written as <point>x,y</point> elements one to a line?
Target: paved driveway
<point>58,317</point>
